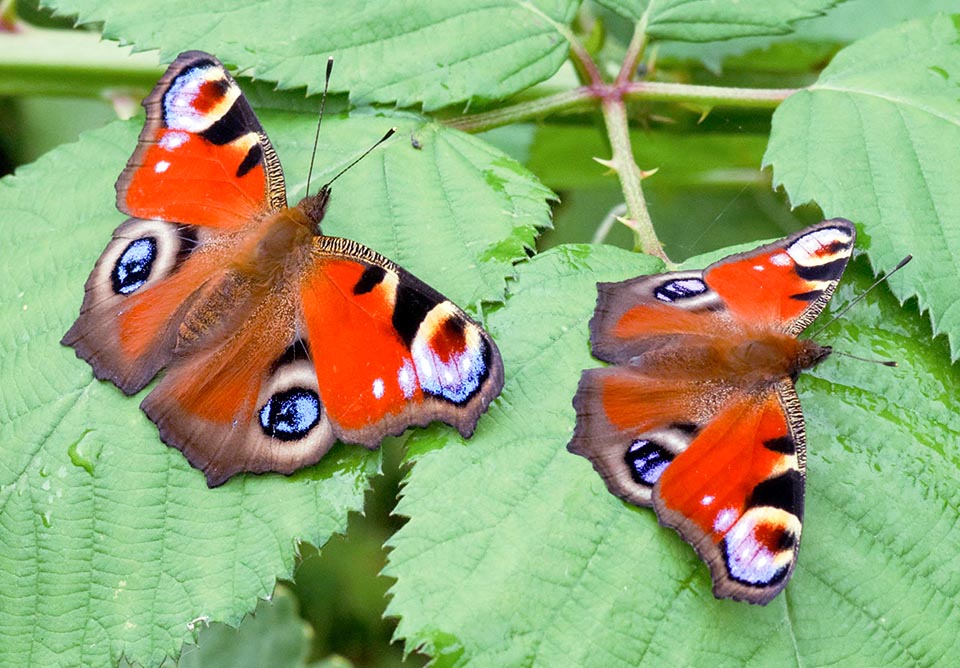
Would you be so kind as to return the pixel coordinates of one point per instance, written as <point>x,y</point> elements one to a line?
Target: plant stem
<point>584,63</point>
<point>523,111</point>
<point>708,96</point>
<point>638,44</point>
<point>618,130</point>
<point>705,96</point>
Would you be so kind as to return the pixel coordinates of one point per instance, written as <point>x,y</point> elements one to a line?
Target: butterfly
<point>277,340</point>
<point>698,416</point>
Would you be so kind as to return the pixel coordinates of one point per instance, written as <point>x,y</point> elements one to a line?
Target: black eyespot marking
<point>827,271</point>
<point>414,302</point>
<point>784,491</point>
<point>253,158</point>
<point>454,330</point>
<point>134,265</point>
<point>371,278</point>
<point>646,461</point>
<point>783,444</point>
<point>839,245</point>
<point>291,414</point>
<point>681,288</point>
<point>787,540</point>
<point>811,296</point>
<point>231,125</point>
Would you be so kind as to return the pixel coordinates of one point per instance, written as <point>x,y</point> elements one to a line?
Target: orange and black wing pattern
<point>698,417</point>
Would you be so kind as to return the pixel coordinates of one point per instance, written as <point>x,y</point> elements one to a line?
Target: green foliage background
<point>505,550</point>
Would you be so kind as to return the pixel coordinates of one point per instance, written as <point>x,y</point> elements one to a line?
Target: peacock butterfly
<point>276,339</point>
<point>698,416</point>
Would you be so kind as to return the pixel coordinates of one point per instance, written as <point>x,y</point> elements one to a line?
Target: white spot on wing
<point>378,388</point>
<point>780,260</point>
<point>725,519</point>
<point>707,500</point>
<point>161,166</point>
<point>173,140</point>
<point>407,379</point>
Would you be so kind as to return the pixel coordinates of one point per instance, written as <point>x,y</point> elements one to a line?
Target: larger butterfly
<point>277,340</point>
<point>698,417</point>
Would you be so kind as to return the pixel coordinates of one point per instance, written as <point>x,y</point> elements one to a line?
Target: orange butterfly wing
<point>203,167</point>
<point>699,418</point>
<point>203,157</point>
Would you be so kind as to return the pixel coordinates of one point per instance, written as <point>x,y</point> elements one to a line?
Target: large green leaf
<point>845,23</point>
<point>429,52</point>
<point>709,20</point>
<point>111,543</point>
<point>515,554</point>
<point>877,140</point>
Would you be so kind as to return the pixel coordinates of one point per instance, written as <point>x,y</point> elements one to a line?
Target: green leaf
<point>429,52</point>
<point>516,554</point>
<point>845,23</point>
<point>274,635</point>
<point>112,543</point>
<point>876,140</point>
<point>709,20</point>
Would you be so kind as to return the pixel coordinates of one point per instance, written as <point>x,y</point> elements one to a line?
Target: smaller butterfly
<point>699,417</point>
<point>276,339</point>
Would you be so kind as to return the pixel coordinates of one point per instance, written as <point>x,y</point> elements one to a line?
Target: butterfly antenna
<point>859,297</point>
<point>316,138</point>
<point>864,359</point>
<point>326,186</point>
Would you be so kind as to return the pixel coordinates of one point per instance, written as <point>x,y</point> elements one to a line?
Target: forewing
<point>785,284</point>
<point>203,157</point>
<point>203,169</point>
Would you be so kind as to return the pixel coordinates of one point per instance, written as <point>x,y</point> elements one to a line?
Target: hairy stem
<point>638,43</point>
<point>586,96</point>
<point>618,130</point>
<point>525,111</point>
<point>708,96</point>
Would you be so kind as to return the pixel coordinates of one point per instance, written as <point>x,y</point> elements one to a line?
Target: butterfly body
<point>276,339</point>
<point>698,416</point>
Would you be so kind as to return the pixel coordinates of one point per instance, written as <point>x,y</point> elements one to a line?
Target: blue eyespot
<point>647,461</point>
<point>681,288</point>
<point>133,268</point>
<point>291,414</point>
